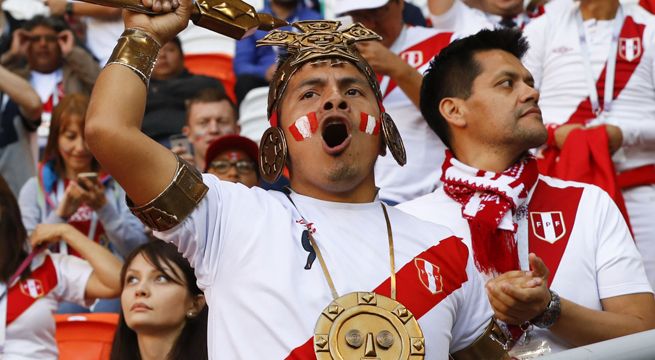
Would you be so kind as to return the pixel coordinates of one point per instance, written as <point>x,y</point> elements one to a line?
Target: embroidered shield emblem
<point>630,48</point>
<point>429,275</point>
<point>548,226</point>
<point>412,57</point>
<point>32,288</point>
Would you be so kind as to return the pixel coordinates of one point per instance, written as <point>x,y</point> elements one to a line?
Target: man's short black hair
<point>453,70</point>
<point>58,24</point>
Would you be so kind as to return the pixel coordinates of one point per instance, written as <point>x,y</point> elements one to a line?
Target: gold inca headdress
<point>317,40</point>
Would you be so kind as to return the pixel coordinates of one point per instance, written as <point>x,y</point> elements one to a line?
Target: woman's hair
<point>12,233</point>
<point>69,105</point>
<point>192,342</point>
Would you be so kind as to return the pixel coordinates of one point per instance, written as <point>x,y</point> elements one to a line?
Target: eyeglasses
<point>223,166</point>
<point>48,38</point>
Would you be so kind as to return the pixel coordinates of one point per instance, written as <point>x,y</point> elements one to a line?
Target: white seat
<point>252,114</point>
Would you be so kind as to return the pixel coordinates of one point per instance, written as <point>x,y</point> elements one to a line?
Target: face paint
<point>368,124</point>
<point>304,127</point>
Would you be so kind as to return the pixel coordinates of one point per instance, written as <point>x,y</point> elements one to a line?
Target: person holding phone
<point>70,188</point>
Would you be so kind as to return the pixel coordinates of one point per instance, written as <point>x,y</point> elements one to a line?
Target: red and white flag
<point>304,127</point>
<point>368,124</point>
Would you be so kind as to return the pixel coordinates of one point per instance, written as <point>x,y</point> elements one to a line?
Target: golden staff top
<point>233,18</point>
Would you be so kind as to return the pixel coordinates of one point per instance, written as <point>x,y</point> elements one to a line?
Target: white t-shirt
<point>101,35</point>
<point>465,20</point>
<point>556,62</point>
<point>425,151</point>
<point>245,246</point>
<point>599,258</point>
<point>32,334</point>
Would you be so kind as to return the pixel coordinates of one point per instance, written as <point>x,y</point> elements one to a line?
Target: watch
<point>69,8</point>
<point>551,314</point>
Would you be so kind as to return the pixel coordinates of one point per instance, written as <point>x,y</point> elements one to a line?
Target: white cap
<point>341,7</point>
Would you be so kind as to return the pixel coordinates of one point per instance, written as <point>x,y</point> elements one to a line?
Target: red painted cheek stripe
<point>304,127</point>
<point>422,283</point>
<point>368,124</point>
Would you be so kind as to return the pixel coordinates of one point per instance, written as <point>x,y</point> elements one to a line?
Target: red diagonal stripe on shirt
<point>623,73</point>
<point>18,301</point>
<point>429,47</point>
<point>450,255</point>
<point>567,203</point>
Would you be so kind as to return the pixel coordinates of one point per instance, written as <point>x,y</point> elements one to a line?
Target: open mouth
<point>335,136</point>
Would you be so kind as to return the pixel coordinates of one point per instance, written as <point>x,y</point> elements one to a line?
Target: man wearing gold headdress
<point>325,270</point>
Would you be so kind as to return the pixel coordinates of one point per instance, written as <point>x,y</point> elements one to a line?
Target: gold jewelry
<point>176,202</point>
<point>393,140</point>
<point>272,154</point>
<point>137,50</point>
<point>365,324</point>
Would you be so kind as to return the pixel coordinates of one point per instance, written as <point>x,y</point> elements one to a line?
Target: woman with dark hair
<point>164,315</point>
<point>33,284</point>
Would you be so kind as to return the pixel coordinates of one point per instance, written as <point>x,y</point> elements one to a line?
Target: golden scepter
<point>233,18</point>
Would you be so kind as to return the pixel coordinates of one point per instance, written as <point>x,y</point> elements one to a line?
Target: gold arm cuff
<point>492,345</point>
<point>176,202</point>
<point>137,50</point>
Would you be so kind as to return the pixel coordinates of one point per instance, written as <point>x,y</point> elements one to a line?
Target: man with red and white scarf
<point>563,268</point>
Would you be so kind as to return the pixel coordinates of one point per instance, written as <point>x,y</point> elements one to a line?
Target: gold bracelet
<point>137,50</point>
<point>176,202</point>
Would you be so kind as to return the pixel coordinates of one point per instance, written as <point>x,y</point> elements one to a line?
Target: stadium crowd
<point>219,197</point>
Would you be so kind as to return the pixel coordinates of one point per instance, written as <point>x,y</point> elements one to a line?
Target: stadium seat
<point>218,66</point>
<point>252,114</point>
<point>85,336</point>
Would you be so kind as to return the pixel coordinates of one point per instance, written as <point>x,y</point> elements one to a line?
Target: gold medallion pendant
<point>366,325</point>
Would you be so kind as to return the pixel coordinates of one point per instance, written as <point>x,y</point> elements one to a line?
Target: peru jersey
<point>465,20</point>
<point>575,228</point>
<point>266,289</point>
<point>425,151</point>
<point>556,61</point>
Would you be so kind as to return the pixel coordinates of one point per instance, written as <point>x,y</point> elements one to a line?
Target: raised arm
<point>20,91</point>
<point>105,279</point>
<point>143,167</point>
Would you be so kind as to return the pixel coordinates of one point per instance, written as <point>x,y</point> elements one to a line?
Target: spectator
<point>103,24</point>
<point>29,294</point>
<point>398,60</point>
<point>254,66</point>
<point>210,114</point>
<point>163,315</point>
<point>494,198</point>
<point>59,195</point>
<point>54,65</point>
<point>171,86</point>
<point>20,114</point>
<point>468,18</point>
<point>233,158</point>
<point>616,132</point>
